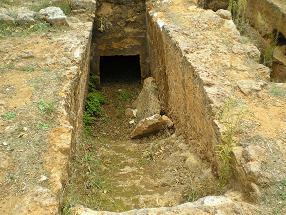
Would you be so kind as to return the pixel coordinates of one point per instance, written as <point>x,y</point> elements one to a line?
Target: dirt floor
<point>109,171</point>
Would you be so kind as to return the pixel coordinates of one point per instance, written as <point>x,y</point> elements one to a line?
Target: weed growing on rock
<point>268,52</point>
<point>238,11</point>
<point>9,116</point>
<point>46,107</point>
<point>93,108</point>
<point>229,117</point>
<point>192,195</point>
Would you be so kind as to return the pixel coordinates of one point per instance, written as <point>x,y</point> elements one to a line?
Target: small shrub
<point>124,95</point>
<point>40,27</point>
<point>22,31</point>
<point>88,118</point>
<point>43,126</point>
<point>238,11</point>
<point>9,115</point>
<point>46,107</point>
<point>268,52</point>
<point>191,195</point>
<point>29,68</point>
<point>230,117</point>
<point>93,108</point>
<point>92,83</point>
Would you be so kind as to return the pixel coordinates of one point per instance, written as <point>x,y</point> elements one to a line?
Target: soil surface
<point>109,171</point>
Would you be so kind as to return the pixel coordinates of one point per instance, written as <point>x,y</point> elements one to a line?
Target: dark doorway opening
<point>120,69</point>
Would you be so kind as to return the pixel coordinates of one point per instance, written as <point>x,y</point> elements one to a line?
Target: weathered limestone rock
<point>248,87</point>
<point>53,15</point>
<point>131,113</point>
<point>38,201</point>
<point>25,16</point>
<point>279,64</point>
<point>225,14</point>
<point>204,206</point>
<point>151,125</point>
<point>254,152</point>
<point>249,165</point>
<point>5,18</point>
<point>147,102</point>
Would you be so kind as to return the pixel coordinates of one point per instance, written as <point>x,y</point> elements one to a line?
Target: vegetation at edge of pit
<point>93,107</point>
<point>230,117</point>
<point>124,95</point>
<point>85,187</point>
<point>238,11</point>
<point>22,31</point>
<point>269,50</point>
<point>36,6</point>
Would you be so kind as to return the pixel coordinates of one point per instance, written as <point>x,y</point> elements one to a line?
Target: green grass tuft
<point>23,31</point>
<point>9,116</point>
<point>124,95</point>
<point>29,68</point>
<point>93,107</point>
<point>46,107</point>
<point>230,117</point>
<point>238,10</point>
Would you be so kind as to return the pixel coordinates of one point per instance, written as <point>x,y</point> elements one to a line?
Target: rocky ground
<point>35,58</point>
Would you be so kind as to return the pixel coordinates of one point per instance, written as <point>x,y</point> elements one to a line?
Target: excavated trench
<point>109,171</point>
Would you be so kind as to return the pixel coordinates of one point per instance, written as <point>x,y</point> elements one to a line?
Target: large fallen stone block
<point>147,103</point>
<point>151,125</point>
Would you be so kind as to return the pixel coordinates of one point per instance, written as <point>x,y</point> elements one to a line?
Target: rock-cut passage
<point>110,171</point>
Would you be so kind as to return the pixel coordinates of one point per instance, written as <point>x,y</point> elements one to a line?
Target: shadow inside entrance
<point>120,69</point>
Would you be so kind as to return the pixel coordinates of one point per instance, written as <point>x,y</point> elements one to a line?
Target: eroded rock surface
<point>151,125</point>
<point>53,15</point>
<point>204,206</point>
<point>147,103</point>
